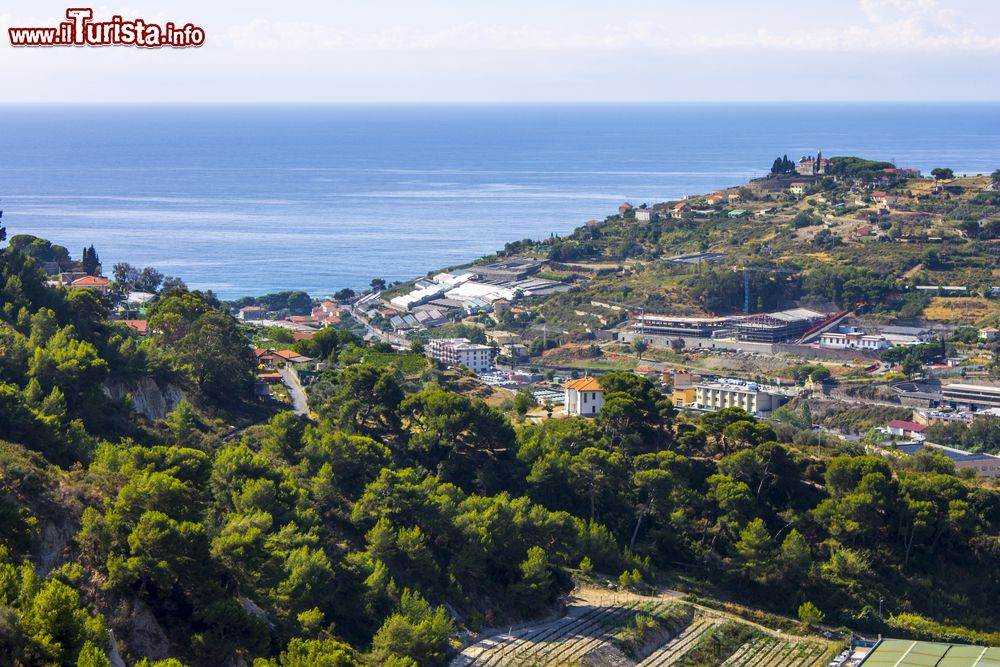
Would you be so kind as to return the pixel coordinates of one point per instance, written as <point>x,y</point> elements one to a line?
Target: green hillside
<point>406,513</point>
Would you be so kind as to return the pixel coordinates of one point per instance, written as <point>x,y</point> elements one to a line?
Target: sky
<point>523,51</point>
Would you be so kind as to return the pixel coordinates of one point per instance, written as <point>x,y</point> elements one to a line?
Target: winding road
<point>295,391</point>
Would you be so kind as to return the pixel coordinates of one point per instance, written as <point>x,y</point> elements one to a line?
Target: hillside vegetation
<point>859,234</point>
<point>406,513</point>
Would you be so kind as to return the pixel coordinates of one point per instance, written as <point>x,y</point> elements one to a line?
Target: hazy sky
<point>524,50</point>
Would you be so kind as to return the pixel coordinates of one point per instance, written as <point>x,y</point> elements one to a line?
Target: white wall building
<point>461,352</point>
<point>583,397</point>
<point>731,393</point>
<point>852,341</point>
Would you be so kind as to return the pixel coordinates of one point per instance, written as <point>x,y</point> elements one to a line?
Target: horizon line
<point>72,103</point>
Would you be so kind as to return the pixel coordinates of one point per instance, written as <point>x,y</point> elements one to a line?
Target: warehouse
<point>973,396</point>
<point>671,325</point>
<point>777,327</point>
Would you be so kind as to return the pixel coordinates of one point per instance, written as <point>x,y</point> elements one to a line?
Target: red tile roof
<point>289,355</point>
<point>90,281</point>
<point>907,426</point>
<point>142,326</point>
<point>584,384</point>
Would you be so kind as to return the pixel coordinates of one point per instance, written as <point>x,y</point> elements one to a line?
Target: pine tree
<point>90,261</point>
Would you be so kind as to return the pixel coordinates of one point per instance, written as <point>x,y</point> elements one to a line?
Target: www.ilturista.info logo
<point>82,30</point>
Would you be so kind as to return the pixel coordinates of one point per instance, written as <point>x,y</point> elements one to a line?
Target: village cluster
<point>511,286</point>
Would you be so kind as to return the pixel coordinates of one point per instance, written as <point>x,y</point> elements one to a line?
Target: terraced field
<point>777,652</point>
<point>591,625</point>
<point>582,630</point>
<point>675,649</point>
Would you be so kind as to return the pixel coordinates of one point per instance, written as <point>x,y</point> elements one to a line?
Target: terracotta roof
<point>90,281</point>
<point>142,326</point>
<point>303,335</point>
<point>584,384</point>
<point>907,426</point>
<point>290,355</point>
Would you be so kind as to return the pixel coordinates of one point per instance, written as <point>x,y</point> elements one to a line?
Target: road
<point>385,337</point>
<point>295,391</point>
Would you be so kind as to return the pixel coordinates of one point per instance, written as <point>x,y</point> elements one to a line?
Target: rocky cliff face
<point>150,399</point>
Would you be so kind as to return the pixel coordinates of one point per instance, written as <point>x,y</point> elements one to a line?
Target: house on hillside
<point>102,285</point>
<point>812,166</point>
<point>883,199</point>
<point>905,429</point>
<point>988,333</point>
<point>251,313</point>
<point>624,209</point>
<point>290,357</point>
<point>798,188</point>
<point>141,327</point>
<point>677,212</point>
<point>583,397</point>
<point>645,215</point>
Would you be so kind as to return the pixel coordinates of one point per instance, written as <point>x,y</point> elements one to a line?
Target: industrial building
<point>512,269</point>
<point>984,465</point>
<point>671,325</point>
<point>777,327</point>
<point>972,396</point>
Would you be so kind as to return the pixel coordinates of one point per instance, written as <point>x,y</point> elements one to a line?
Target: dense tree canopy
<point>405,511</point>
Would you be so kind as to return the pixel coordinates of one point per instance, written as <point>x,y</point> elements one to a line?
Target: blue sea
<point>246,200</point>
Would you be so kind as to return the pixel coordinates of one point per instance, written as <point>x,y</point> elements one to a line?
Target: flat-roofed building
<point>971,395</point>
<point>672,325</point>
<point>684,396</point>
<point>934,417</point>
<point>984,465</point>
<point>516,268</point>
<point>461,352</point>
<point>777,327</point>
<point>852,341</point>
<point>750,396</point>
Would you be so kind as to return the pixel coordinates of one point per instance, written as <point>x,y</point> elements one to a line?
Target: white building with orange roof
<point>583,397</point>
<point>98,283</point>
